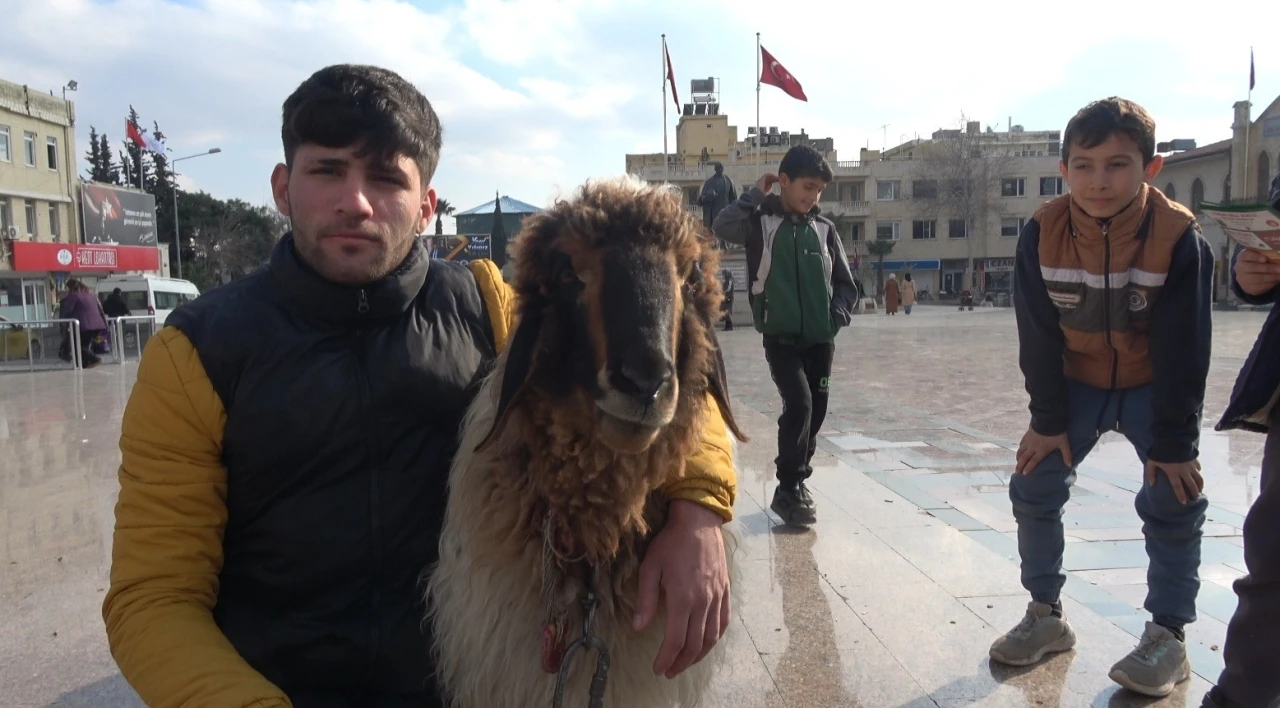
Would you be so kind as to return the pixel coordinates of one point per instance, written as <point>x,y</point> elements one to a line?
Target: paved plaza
<point>891,600</point>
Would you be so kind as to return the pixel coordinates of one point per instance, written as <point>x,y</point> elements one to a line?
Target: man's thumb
<point>646,595</point>
<point>1066,454</point>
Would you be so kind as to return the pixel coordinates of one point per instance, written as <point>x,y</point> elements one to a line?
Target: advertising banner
<point>32,256</point>
<point>117,216</point>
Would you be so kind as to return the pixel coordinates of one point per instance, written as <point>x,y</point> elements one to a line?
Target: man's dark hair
<point>1101,119</point>
<point>803,161</point>
<point>344,104</point>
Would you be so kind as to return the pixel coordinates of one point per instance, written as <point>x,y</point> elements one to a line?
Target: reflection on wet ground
<point>891,600</point>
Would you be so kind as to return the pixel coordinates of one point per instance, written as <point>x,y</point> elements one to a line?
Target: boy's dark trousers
<point>802,375</point>
<point>1252,649</point>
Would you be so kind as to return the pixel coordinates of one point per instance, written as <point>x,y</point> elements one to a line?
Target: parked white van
<point>149,294</point>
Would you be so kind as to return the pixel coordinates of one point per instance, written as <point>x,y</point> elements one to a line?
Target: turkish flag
<point>132,132</point>
<point>671,76</point>
<point>775,74</point>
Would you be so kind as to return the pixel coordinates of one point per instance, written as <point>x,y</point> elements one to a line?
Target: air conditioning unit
<point>12,233</point>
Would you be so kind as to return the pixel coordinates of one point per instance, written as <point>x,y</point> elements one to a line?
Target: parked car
<point>18,341</point>
<point>146,296</point>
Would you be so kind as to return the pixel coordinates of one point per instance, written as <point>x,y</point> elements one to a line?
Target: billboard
<point>461,248</point>
<point>117,216</point>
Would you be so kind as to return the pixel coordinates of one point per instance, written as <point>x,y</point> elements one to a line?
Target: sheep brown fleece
<point>491,592</point>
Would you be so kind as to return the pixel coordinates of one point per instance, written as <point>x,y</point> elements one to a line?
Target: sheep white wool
<point>487,607</point>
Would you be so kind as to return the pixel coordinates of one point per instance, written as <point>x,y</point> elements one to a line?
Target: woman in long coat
<point>891,295</point>
<point>909,294</point>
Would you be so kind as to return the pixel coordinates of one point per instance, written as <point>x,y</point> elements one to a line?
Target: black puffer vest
<point>343,412</point>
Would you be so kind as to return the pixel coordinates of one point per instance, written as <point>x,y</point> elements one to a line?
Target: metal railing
<point>36,345</point>
<point>129,336</point>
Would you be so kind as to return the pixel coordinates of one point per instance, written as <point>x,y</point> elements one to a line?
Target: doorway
<point>35,300</point>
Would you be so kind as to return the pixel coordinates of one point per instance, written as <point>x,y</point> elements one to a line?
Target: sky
<point>537,96</point>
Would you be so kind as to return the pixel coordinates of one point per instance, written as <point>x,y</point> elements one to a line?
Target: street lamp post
<point>177,239</point>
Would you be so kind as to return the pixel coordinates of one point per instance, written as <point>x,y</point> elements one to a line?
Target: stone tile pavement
<point>891,600</point>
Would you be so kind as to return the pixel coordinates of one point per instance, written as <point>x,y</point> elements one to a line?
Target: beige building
<point>890,195</point>
<point>1250,157</point>
<point>38,190</point>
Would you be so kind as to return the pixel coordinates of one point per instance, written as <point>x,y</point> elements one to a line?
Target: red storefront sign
<point>28,256</point>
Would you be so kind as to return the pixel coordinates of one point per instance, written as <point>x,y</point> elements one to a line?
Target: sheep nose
<point>642,384</point>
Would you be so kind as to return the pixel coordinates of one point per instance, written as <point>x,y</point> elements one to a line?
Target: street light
<point>177,239</point>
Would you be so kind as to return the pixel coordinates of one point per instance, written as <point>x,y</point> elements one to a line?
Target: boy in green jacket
<point>801,293</point>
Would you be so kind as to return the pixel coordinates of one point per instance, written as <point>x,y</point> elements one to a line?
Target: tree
<point>94,156</point>
<point>107,168</point>
<point>880,249</point>
<point>959,178</point>
<point>443,209</point>
<point>498,235</point>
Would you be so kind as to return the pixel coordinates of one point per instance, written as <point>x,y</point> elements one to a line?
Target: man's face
<point>800,195</point>
<point>354,220</point>
<point>1103,179</point>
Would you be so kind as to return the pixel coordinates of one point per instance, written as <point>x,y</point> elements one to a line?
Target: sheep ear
<point>515,375</point>
<point>719,383</point>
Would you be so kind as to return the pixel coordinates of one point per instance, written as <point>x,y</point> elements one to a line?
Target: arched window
<point>1197,195</point>
<point>1168,192</point>
<point>1226,188</point>
<point>1264,175</point>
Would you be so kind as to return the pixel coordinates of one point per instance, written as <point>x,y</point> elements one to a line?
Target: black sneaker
<point>794,505</point>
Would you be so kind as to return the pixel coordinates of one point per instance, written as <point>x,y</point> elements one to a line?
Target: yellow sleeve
<point>708,477</point>
<point>499,299</point>
<point>167,549</point>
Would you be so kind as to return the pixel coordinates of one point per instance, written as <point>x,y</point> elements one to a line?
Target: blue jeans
<point>1172,530</point>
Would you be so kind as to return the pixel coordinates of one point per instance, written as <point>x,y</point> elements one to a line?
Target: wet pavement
<point>891,600</point>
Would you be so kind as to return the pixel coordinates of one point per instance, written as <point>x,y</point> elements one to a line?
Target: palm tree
<point>443,209</point>
<point>880,249</point>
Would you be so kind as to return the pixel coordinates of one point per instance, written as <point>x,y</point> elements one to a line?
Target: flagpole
<point>1248,124</point>
<point>757,99</point>
<point>666,158</point>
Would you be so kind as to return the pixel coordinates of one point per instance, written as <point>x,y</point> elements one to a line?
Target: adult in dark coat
<point>717,193</point>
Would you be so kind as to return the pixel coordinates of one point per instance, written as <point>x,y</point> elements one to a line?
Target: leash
<point>595,694</point>
<point>555,660</point>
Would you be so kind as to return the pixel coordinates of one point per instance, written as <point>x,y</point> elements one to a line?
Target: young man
<point>1253,642</point>
<point>287,444</point>
<point>801,293</point>
<point>1113,299</point>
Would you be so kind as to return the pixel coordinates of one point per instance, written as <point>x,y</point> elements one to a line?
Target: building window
<point>1197,195</point>
<point>51,151</point>
<point>855,231</point>
<point>1226,188</point>
<point>1053,148</point>
<point>1011,227</point>
<point>888,190</point>
<point>1050,186</point>
<point>6,219</point>
<point>55,221</point>
<point>1013,187</point>
<point>888,230</point>
<point>924,189</point>
<point>851,192</point>
<point>29,145</point>
<point>924,229</point>
<point>956,229</point>
<point>5,154</point>
<point>31,217</point>
<point>1168,192</point>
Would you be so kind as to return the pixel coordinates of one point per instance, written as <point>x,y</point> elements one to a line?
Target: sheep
<point>603,390</point>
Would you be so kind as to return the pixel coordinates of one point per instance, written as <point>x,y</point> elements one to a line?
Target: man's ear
<point>428,209</point>
<point>280,188</point>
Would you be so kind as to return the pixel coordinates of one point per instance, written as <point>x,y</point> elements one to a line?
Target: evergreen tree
<point>94,156</point>
<point>161,183</point>
<point>109,171</point>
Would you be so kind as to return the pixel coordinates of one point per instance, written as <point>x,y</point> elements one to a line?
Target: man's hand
<point>1256,274</point>
<point>1183,476</point>
<point>766,182</point>
<point>1035,447</point>
<point>686,563</point>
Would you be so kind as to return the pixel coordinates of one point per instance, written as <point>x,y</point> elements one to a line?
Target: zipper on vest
<point>359,342</point>
<point>1106,302</point>
<point>363,305</point>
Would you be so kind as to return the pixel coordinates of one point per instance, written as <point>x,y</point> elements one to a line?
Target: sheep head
<point>617,300</point>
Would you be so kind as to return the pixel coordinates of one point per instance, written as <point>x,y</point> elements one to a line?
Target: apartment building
<point>905,194</point>
<point>38,189</point>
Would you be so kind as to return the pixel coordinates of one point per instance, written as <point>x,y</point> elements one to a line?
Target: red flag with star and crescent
<point>774,74</point>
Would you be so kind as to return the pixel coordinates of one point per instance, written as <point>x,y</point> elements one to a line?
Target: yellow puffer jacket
<point>171,515</point>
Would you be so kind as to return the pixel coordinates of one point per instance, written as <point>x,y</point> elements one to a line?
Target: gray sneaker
<point>1038,633</point>
<point>1157,665</point>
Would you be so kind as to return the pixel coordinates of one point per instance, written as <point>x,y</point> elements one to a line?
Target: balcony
<point>851,168</point>
<point>656,173</point>
<point>857,208</point>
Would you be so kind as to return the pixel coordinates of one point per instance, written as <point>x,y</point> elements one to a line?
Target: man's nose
<point>354,200</point>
